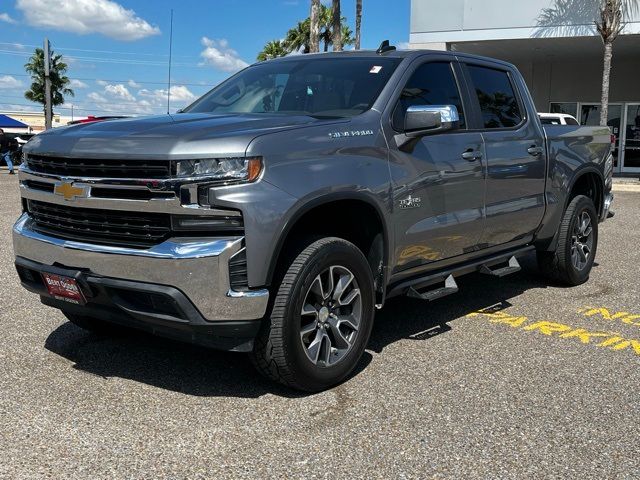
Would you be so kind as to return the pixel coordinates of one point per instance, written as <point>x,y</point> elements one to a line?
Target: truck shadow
<point>194,370</point>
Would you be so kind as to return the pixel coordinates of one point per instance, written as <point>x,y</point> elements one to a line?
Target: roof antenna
<point>385,47</point>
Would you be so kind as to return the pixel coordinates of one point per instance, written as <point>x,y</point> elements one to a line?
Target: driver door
<point>439,183</point>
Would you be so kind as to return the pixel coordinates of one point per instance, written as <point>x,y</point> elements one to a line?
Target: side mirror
<point>426,119</point>
<point>421,120</point>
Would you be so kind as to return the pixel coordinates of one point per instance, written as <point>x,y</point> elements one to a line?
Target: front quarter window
<point>323,87</point>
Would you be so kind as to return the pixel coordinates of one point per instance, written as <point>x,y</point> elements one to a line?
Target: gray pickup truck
<point>278,211</point>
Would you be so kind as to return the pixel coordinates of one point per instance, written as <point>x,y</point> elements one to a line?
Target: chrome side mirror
<point>421,120</point>
<point>425,119</point>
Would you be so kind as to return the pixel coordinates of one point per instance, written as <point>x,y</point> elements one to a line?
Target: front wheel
<point>573,258</point>
<point>321,318</point>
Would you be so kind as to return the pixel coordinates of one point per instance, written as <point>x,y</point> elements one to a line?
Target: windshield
<point>327,87</point>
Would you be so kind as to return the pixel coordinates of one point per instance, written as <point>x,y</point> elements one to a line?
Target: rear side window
<point>497,98</point>
<point>431,84</point>
<point>571,121</point>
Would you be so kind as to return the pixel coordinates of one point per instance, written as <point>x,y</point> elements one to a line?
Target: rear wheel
<point>575,252</point>
<point>321,318</point>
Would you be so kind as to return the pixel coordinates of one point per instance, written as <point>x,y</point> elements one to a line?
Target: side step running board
<point>450,286</point>
<point>512,267</point>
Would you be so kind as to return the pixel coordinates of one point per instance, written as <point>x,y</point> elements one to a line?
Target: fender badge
<point>410,202</point>
<point>350,133</point>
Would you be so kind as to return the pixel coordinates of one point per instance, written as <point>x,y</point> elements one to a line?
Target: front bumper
<point>197,268</point>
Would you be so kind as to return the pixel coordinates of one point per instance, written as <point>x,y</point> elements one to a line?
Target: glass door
<point>631,155</point>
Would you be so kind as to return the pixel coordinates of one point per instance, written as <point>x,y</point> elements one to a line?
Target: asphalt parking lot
<point>509,378</point>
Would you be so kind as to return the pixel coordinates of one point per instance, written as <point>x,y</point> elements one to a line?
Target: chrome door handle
<point>472,155</point>
<point>535,151</point>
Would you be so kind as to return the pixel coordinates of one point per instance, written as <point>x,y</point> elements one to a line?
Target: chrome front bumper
<point>198,267</point>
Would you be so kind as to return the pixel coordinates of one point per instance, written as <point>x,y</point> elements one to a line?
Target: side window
<point>431,84</point>
<point>497,98</point>
<point>571,121</point>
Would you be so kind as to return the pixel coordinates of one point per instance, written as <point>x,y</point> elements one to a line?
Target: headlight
<point>232,169</point>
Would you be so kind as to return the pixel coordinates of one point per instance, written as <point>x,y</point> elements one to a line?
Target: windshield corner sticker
<point>350,133</point>
<point>410,202</point>
<point>375,69</point>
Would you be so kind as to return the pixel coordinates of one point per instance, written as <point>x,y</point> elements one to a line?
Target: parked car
<point>281,209</point>
<point>91,119</point>
<point>557,119</point>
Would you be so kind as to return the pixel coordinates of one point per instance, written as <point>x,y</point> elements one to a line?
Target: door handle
<point>535,151</point>
<point>472,155</point>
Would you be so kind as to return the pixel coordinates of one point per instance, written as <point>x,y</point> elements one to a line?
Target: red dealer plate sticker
<point>63,288</point>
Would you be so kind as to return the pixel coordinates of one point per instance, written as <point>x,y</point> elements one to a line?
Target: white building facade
<point>556,47</point>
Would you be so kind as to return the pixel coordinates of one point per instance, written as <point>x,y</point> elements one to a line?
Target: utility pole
<point>48,109</point>
<point>170,48</point>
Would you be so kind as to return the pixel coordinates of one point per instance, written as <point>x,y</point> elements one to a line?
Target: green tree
<point>298,38</point>
<point>273,49</point>
<point>57,75</point>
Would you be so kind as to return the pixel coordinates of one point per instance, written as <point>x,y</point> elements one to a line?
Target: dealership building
<point>556,47</point>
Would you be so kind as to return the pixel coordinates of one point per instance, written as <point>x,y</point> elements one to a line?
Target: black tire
<point>97,326</point>
<point>279,353</point>
<point>558,264</point>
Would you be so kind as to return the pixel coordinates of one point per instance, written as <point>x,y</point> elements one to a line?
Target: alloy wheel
<point>330,317</point>
<point>582,241</point>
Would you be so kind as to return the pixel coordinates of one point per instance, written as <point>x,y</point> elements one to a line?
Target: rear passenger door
<point>515,153</point>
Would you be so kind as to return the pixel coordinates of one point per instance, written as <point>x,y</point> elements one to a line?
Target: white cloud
<point>116,98</point>
<point>119,91</point>
<point>218,54</point>
<point>7,81</point>
<point>78,84</point>
<point>133,84</point>
<point>87,16</point>
<point>102,83</point>
<point>4,17</point>
<point>179,93</point>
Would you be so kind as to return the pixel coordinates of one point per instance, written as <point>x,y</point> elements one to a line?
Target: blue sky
<point>117,50</point>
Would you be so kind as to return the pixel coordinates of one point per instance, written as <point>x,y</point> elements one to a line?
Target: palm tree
<point>57,76</point>
<point>336,26</point>
<point>573,17</point>
<point>609,27</point>
<point>358,22</point>
<point>273,49</point>
<point>347,35</point>
<point>314,33</point>
<point>299,37</point>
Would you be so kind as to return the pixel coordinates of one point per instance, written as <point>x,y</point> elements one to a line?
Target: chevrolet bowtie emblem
<point>68,191</point>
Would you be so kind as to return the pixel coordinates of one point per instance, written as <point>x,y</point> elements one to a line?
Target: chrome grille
<point>108,227</point>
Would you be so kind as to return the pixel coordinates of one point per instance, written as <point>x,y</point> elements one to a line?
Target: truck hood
<point>160,137</point>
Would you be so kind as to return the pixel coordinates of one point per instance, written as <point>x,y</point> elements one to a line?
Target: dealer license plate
<point>63,288</point>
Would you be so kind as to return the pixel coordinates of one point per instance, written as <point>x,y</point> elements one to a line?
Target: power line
<point>120,112</point>
<point>97,51</point>
<point>142,82</point>
<point>107,60</point>
<point>119,103</point>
